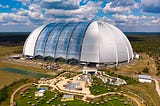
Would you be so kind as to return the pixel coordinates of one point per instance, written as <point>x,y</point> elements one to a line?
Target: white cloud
<point>11,18</point>
<point>126,17</point>
<point>22,12</point>
<point>153,17</point>
<point>84,13</point>
<point>123,3</point>
<point>143,17</point>
<point>35,7</point>
<point>84,1</point>
<point>156,21</point>
<point>9,23</point>
<point>24,2</point>
<point>109,9</point>
<point>132,20</point>
<point>2,6</point>
<point>152,6</point>
<point>106,19</point>
<point>35,14</point>
<point>14,9</point>
<point>126,20</point>
<point>38,12</point>
<point>61,4</point>
<point>120,6</point>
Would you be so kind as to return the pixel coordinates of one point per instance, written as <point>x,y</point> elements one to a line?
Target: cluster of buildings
<point>54,66</point>
<point>110,80</point>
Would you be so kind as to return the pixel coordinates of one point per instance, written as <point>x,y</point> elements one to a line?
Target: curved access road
<point>133,98</point>
<point>13,94</point>
<point>157,86</point>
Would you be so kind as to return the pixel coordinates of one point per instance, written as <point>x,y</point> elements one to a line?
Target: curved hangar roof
<point>96,42</point>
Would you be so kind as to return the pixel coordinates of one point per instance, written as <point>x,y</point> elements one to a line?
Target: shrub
<point>145,70</point>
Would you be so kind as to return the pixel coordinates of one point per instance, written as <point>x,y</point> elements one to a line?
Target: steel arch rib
<point>58,39</point>
<point>37,39</point>
<point>82,40</point>
<point>70,40</point>
<point>47,40</point>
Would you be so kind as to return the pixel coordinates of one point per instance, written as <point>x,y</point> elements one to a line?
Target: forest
<point>147,43</point>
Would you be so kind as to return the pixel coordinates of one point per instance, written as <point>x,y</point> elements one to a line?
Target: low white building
<point>39,94</point>
<point>144,78</point>
<point>136,56</point>
<point>67,97</point>
<point>87,70</point>
<point>17,56</point>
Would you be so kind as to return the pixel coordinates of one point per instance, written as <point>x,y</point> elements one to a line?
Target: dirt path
<point>59,86</point>
<point>113,93</point>
<point>13,94</point>
<point>88,95</point>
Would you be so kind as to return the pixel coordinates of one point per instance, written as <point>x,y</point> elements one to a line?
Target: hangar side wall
<point>29,45</point>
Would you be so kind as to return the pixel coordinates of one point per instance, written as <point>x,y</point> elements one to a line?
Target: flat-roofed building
<point>67,97</point>
<point>87,70</point>
<point>145,78</point>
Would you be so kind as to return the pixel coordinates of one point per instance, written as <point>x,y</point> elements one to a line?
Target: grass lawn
<point>10,89</point>
<point>35,69</point>
<point>22,101</point>
<point>97,90</point>
<point>136,66</point>
<point>146,91</point>
<point>24,72</point>
<point>7,78</point>
<point>8,50</point>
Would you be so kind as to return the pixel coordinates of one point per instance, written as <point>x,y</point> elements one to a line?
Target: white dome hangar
<point>91,42</point>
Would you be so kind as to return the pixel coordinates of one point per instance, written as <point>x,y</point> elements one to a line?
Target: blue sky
<point>128,15</point>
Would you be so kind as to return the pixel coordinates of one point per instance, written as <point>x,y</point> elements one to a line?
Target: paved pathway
<point>86,95</point>
<point>157,86</point>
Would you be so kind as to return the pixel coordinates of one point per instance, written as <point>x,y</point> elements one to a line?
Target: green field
<point>25,72</point>
<point>96,90</point>
<point>5,92</point>
<point>22,100</point>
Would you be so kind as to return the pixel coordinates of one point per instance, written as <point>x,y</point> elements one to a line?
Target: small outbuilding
<point>87,70</point>
<point>136,56</point>
<point>17,56</point>
<point>67,97</point>
<point>40,92</point>
<point>144,78</point>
